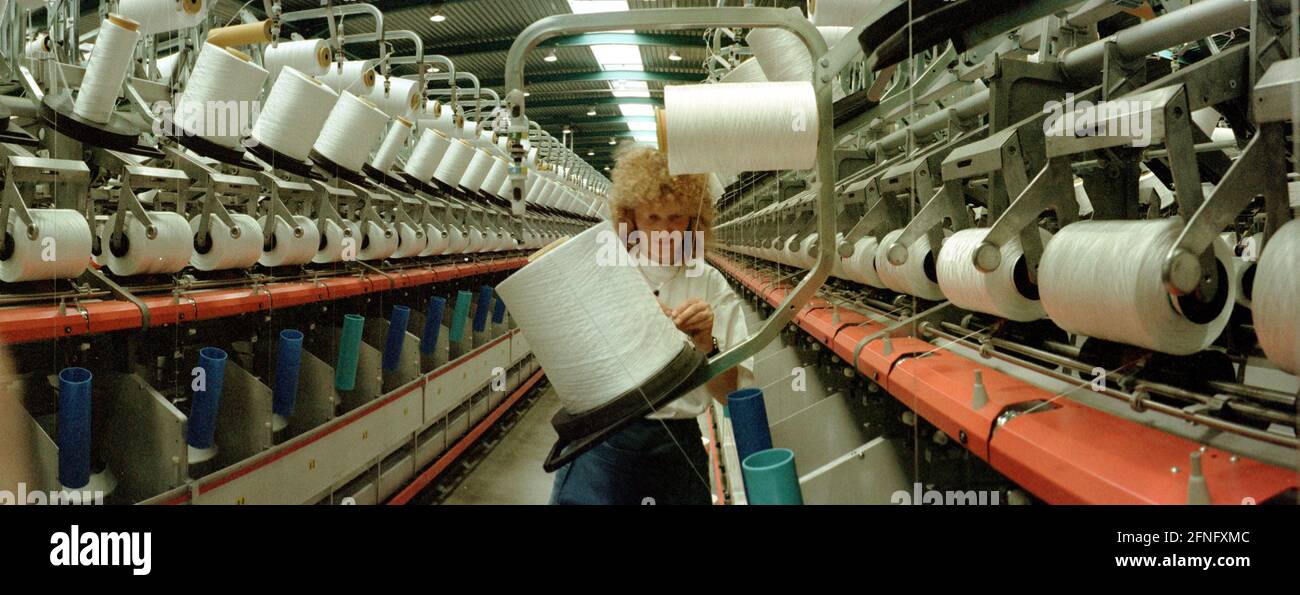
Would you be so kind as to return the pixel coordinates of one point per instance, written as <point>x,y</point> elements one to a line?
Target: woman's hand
<point>695,318</point>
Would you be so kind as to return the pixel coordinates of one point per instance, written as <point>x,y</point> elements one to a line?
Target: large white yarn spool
<point>61,249</point>
<point>437,241</point>
<point>551,193</point>
<point>1102,279</point>
<point>473,133</point>
<point>219,95</point>
<point>330,247</point>
<point>294,114</point>
<point>308,56</point>
<point>167,252</point>
<point>110,60</point>
<point>783,57</point>
<point>912,277</point>
<point>497,174</point>
<point>563,198</point>
<point>861,265</point>
<point>778,249</point>
<point>394,140</point>
<point>378,242</point>
<point>427,155</point>
<point>474,239</point>
<point>833,36</point>
<point>789,249</point>
<point>454,163</point>
<point>411,240</point>
<point>536,187</point>
<point>440,118</point>
<point>223,251</point>
<point>805,258</point>
<point>399,100</point>
<point>998,293</point>
<point>479,166</point>
<point>1244,270</point>
<point>353,128</point>
<point>290,249</point>
<point>842,13</point>
<point>740,127</point>
<point>597,330</point>
<point>1276,298</point>
<point>780,53</point>
<point>491,240</point>
<point>354,76</point>
<point>507,185</point>
<point>161,16</point>
<point>837,263</point>
<point>456,240</point>
<point>569,201</point>
<point>749,71</point>
<point>40,47</point>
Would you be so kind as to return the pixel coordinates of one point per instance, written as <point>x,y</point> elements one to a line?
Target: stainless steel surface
<point>317,399</point>
<point>147,437</point>
<point>244,418</point>
<point>870,474</point>
<point>821,432</point>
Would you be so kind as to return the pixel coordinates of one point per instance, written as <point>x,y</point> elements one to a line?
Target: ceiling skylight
<point>637,110</point>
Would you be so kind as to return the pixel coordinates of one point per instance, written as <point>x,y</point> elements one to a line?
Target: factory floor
<point>512,472</point>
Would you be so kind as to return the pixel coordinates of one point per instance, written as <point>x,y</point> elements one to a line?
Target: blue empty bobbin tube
<point>432,325</point>
<point>771,477</point>
<point>396,337</point>
<point>73,427</point>
<point>481,310</point>
<point>459,315</point>
<point>345,374</point>
<point>287,362</point>
<point>749,421</point>
<point>203,409</point>
<point>499,312</point>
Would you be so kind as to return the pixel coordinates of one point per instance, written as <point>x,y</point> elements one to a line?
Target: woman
<point>661,459</point>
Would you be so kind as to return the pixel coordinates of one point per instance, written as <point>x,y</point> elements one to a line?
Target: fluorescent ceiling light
<point>618,57</point>
<point>438,17</point>
<point>590,6</point>
<point>637,110</point>
<point>642,126</point>
<point>631,89</point>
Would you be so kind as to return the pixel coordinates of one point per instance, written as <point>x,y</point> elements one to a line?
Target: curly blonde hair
<point>641,179</point>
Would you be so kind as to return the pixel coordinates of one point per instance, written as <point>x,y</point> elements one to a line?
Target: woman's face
<point>665,227</point>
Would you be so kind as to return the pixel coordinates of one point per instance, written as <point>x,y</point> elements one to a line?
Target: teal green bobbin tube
<point>460,316</point>
<point>771,477</point>
<point>345,374</point>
